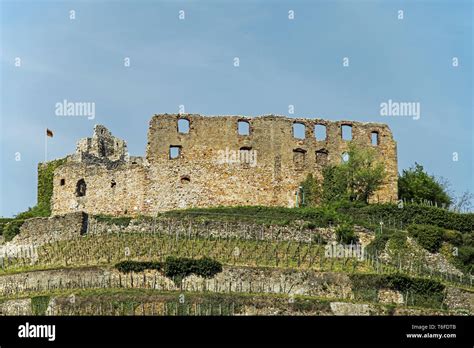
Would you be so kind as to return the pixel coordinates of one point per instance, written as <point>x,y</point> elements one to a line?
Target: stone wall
<point>214,164</point>
<point>41,230</point>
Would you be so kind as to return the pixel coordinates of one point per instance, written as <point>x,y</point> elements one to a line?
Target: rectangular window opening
<point>175,151</point>
<point>346,132</point>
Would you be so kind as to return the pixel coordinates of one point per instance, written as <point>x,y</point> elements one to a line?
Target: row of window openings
<point>298,154</point>
<point>299,130</point>
<point>299,157</point>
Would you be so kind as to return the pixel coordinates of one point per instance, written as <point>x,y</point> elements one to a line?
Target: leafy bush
<point>175,268</point>
<point>429,237</point>
<point>415,184</point>
<point>397,238</point>
<point>410,214</point>
<point>355,180</point>
<point>453,237</point>
<point>311,191</point>
<point>419,285</point>
<point>345,234</point>
<point>468,239</point>
<point>39,305</point>
<point>178,268</point>
<point>3,222</point>
<point>465,259</point>
<point>12,228</point>
<point>320,216</point>
<point>421,291</point>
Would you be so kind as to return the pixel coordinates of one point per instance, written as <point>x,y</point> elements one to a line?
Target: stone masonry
<point>211,161</point>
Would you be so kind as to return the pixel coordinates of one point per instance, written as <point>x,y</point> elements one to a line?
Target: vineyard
<point>258,258</point>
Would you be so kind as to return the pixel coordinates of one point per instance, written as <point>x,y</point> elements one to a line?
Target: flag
<point>49,133</point>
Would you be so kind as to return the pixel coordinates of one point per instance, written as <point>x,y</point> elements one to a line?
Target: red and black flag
<point>49,132</point>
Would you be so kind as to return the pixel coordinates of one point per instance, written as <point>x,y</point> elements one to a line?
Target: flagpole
<point>46,147</point>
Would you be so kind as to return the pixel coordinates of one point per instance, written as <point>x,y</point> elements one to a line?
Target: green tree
<point>311,190</point>
<point>364,173</point>
<point>417,185</point>
<point>354,180</point>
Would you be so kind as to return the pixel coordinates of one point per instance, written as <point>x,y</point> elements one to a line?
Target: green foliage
<point>468,239</point>
<point>453,237</point>
<point>365,174</point>
<point>429,237</point>
<point>178,268</point>
<point>39,305</point>
<point>335,185</point>
<point>43,207</point>
<point>345,234</point>
<point>355,180</point>
<point>397,240</point>
<point>410,214</point>
<point>45,186</point>
<point>174,267</point>
<point>465,259</point>
<point>137,266</point>
<point>12,228</point>
<point>417,185</point>
<point>311,191</point>
<point>416,291</point>
<point>404,283</point>
<point>113,220</point>
<point>320,216</point>
<point>3,222</point>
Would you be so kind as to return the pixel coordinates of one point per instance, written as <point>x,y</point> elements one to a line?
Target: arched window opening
<point>81,188</point>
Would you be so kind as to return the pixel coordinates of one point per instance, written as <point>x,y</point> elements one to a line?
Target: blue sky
<point>190,62</point>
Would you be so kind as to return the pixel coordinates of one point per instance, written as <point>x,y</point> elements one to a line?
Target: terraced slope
<point>277,265</point>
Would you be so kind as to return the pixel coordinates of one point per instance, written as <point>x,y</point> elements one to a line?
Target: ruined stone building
<point>197,161</point>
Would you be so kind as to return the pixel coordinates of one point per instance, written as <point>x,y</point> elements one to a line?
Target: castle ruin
<point>197,161</point>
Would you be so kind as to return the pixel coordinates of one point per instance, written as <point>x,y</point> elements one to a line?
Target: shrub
<point>311,192</point>
<point>175,268</point>
<point>404,283</point>
<point>410,214</point>
<point>417,185</point>
<point>345,234</point>
<point>465,259</point>
<point>178,268</point>
<point>429,237</point>
<point>468,239</point>
<point>12,228</point>
<point>453,237</point>
<point>3,222</point>
<point>39,305</point>
<point>421,292</point>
